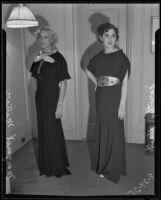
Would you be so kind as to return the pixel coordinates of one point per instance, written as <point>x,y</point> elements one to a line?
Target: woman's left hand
<point>58,113</point>
<point>121,112</point>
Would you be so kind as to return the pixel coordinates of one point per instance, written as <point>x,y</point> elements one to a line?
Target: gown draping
<point>52,152</point>
<point>109,156</point>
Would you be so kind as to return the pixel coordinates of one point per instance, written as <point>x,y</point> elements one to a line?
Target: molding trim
<point>66,99</point>
<point>142,65</point>
<point>77,69</point>
<point>135,122</point>
<point>24,72</point>
<point>135,134</point>
<point>20,132</point>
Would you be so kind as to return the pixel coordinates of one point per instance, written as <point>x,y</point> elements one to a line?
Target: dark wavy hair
<point>105,27</point>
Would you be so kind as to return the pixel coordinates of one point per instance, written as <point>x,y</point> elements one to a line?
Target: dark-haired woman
<point>109,70</point>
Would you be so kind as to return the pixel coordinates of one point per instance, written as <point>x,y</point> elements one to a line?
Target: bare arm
<point>124,90</point>
<point>62,92</point>
<point>91,76</point>
<point>63,86</point>
<point>121,111</point>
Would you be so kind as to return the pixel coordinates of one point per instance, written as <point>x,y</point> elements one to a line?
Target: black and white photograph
<point>80,113</point>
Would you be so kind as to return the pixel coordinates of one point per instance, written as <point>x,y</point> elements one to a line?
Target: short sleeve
<point>91,66</point>
<point>32,69</point>
<point>125,66</point>
<point>63,70</point>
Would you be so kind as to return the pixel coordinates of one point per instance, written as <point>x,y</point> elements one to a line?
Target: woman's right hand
<point>58,113</point>
<point>95,87</point>
<point>121,112</point>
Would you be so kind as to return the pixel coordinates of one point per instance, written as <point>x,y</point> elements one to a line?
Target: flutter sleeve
<point>63,73</point>
<point>125,67</point>
<point>91,66</point>
<point>32,70</point>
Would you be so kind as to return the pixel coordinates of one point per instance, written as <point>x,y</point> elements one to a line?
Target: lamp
<point>21,17</point>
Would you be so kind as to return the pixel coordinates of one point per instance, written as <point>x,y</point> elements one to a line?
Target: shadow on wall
<point>32,50</point>
<point>95,20</point>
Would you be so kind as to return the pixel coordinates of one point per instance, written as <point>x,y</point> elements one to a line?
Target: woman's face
<point>109,38</point>
<point>44,39</point>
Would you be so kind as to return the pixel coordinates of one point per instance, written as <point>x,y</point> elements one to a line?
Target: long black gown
<point>52,152</point>
<point>109,156</point>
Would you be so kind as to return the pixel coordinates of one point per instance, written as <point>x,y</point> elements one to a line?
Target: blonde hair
<point>52,34</point>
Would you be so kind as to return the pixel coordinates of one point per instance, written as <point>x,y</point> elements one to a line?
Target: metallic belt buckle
<point>112,82</point>
<point>105,81</point>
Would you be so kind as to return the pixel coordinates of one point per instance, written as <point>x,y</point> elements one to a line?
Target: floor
<point>83,181</point>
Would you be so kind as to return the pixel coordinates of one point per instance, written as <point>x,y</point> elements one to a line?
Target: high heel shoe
<point>58,175</point>
<point>67,172</point>
<point>41,173</point>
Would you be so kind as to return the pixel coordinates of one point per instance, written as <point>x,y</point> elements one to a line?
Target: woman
<point>109,70</point>
<point>50,70</point>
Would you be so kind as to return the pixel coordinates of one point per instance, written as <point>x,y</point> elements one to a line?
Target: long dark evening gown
<point>109,156</point>
<point>52,152</point>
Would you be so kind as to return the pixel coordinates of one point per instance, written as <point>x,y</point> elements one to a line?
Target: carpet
<point>83,181</point>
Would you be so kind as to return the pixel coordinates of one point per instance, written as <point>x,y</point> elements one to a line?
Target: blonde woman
<point>50,70</point>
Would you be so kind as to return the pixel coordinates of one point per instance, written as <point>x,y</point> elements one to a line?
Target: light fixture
<point>21,17</point>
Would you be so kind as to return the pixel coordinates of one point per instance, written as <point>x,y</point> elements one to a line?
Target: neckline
<point>111,52</point>
<point>47,54</point>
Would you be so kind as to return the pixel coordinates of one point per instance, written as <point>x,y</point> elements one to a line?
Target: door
<point>89,17</point>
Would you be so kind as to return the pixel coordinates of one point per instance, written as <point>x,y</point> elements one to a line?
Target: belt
<point>103,81</point>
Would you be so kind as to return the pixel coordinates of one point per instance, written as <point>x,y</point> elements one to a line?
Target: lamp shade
<point>21,17</point>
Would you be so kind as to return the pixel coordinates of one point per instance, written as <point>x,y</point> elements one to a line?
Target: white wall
<point>16,85</point>
<point>143,65</point>
<point>62,19</point>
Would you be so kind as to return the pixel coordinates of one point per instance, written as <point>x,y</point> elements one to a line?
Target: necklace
<point>54,51</point>
<point>106,52</point>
